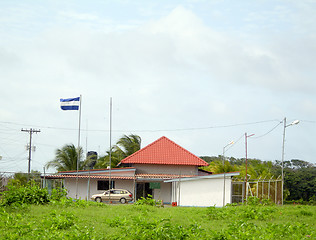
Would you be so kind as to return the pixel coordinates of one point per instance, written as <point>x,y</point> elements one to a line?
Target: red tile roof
<point>97,170</point>
<point>162,176</point>
<point>166,152</point>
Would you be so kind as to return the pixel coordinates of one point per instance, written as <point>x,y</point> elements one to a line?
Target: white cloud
<point>79,16</point>
<point>175,72</point>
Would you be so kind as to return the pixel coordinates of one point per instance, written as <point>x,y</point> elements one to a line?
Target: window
<point>104,185</point>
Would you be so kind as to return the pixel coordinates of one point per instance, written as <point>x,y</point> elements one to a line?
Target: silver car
<point>121,195</point>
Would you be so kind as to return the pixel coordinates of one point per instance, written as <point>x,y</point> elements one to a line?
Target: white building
<point>162,169</point>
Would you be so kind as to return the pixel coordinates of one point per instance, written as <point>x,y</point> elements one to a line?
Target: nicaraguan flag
<point>70,103</point>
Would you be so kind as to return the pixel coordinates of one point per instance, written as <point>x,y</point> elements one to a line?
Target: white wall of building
<point>71,186</point>
<point>203,192</point>
<point>165,169</point>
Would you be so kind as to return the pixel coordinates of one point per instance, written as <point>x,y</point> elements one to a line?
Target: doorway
<point>142,190</point>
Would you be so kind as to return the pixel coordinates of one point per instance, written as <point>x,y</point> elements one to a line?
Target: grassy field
<point>89,220</point>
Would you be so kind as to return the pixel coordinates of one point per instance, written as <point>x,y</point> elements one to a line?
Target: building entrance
<point>142,190</point>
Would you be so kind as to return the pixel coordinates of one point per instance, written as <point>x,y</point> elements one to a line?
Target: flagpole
<point>78,150</point>
<point>110,155</point>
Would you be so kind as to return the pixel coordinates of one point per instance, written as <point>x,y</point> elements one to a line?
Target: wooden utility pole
<point>30,131</point>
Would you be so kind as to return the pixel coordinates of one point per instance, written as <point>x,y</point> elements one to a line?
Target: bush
<point>29,194</point>
<point>148,201</point>
<point>57,194</point>
<point>254,201</point>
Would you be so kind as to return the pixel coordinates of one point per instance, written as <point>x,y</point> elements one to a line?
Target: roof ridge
<point>164,141</point>
<point>141,150</point>
<point>184,149</point>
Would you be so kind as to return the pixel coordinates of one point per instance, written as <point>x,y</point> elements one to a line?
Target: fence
<point>270,189</point>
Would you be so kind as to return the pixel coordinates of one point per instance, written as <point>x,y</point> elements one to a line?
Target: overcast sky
<point>202,73</point>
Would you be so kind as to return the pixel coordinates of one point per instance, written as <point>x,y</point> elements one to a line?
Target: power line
<point>269,131</point>
<point>157,130</point>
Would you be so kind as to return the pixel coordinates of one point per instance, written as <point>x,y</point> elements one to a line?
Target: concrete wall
<point>203,192</point>
<point>165,169</point>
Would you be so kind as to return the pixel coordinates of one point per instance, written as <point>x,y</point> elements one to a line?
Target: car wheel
<point>98,199</point>
<point>123,200</point>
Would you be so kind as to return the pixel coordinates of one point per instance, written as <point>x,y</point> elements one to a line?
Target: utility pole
<point>30,131</point>
<point>247,136</point>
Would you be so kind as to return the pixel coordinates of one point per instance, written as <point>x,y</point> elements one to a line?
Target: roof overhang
<point>98,171</point>
<point>221,175</point>
<point>88,177</point>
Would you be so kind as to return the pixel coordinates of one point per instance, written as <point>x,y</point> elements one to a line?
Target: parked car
<point>120,195</point>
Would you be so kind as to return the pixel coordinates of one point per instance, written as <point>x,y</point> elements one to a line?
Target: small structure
<point>202,191</point>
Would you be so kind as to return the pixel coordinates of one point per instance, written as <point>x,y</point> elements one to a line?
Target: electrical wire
<point>232,145</point>
<point>156,130</point>
<point>254,137</point>
<point>268,131</point>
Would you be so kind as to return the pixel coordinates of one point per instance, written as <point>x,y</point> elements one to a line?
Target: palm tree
<point>127,145</point>
<point>104,162</point>
<point>66,158</point>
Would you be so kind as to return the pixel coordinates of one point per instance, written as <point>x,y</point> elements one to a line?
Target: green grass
<point>88,220</point>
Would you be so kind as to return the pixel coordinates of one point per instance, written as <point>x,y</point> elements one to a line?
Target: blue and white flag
<point>70,103</point>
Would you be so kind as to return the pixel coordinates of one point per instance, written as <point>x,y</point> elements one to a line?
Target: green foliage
<point>61,220</point>
<point>57,194</point>
<point>140,228</point>
<point>18,194</point>
<point>52,225</point>
<point>91,220</point>
<point>125,146</point>
<point>299,175</point>
<point>254,212</point>
<point>300,180</point>
<point>66,158</point>
<point>248,230</point>
<point>148,201</point>
<point>253,201</point>
<point>218,167</point>
<point>20,178</point>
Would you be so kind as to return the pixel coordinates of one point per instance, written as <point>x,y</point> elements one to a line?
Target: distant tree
<point>66,158</point>
<point>216,166</point>
<point>209,159</point>
<point>255,168</point>
<point>20,178</point>
<point>300,180</point>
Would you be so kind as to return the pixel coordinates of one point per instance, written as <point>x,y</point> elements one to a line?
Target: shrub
<point>254,201</point>
<point>29,194</point>
<point>140,228</point>
<point>149,201</point>
<point>57,194</point>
